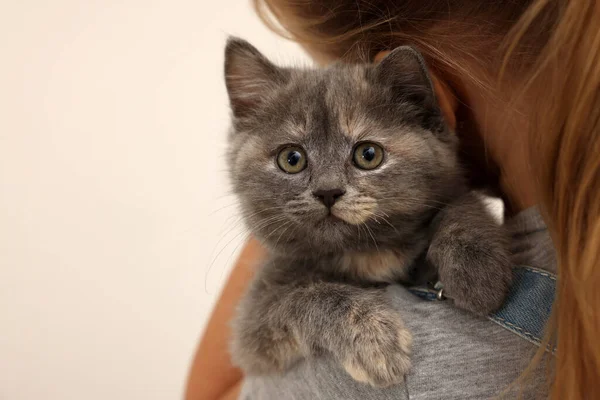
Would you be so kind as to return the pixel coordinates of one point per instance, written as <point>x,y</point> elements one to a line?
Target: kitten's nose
<point>328,197</point>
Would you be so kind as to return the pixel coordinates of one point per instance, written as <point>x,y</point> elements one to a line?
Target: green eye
<point>292,159</point>
<point>368,155</point>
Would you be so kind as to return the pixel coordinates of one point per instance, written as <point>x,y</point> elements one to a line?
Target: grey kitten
<point>350,176</point>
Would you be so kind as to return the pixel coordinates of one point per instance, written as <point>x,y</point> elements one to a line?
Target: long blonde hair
<point>555,45</point>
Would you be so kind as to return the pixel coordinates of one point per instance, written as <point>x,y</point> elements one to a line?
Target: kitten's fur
<point>318,292</point>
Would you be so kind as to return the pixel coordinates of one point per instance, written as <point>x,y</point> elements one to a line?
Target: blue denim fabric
<point>527,306</point>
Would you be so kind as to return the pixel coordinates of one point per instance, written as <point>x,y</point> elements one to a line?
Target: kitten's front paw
<point>379,351</point>
<point>479,281</point>
<point>263,352</point>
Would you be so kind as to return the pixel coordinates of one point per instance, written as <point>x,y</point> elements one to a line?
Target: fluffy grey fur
<point>322,290</point>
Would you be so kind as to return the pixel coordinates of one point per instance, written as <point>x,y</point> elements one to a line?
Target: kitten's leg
<point>279,323</point>
<point>470,251</point>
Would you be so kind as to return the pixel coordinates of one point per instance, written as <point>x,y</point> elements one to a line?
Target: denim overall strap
<point>527,306</point>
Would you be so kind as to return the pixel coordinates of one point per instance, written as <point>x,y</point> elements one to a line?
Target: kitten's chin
<point>334,219</point>
<point>331,222</point>
<point>331,230</point>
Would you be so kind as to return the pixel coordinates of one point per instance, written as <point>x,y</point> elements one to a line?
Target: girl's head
<point>526,78</point>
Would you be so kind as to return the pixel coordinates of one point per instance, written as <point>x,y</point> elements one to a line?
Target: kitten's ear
<point>249,76</point>
<point>404,71</point>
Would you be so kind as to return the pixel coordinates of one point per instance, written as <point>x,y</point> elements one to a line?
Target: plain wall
<point>116,229</point>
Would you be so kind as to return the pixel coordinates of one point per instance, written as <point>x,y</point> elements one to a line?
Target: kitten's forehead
<point>330,110</point>
<point>349,95</point>
<point>328,103</point>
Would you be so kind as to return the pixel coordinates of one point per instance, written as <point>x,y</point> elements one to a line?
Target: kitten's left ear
<point>249,76</point>
<point>404,71</point>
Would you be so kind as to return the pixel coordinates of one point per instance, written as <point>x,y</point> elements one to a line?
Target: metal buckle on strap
<point>440,291</point>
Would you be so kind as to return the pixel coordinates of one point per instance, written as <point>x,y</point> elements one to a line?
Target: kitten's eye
<point>368,155</point>
<point>292,159</point>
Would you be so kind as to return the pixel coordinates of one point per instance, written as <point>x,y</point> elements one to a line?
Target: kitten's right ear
<point>249,76</point>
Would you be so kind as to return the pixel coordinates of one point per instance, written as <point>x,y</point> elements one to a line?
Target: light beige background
<point>113,202</point>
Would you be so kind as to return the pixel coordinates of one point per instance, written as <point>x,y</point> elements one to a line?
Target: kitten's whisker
<point>240,219</point>
<point>229,227</point>
<point>226,194</point>
<point>281,234</point>
<point>372,236</point>
<point>236,216</point>
<point>260,225</point>
<point>222,208</point>
<point>287,226</point>
<point>364,230</point>
<point>223,234</point>
<point>274,230</point>
<point>217,256</point>
<point>269,221</point>
<point>244,240</point>
<point>386,221</point>
<point>248,216</point>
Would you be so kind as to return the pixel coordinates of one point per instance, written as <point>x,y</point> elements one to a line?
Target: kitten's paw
<point>379,354</point>
<point>263,354</point>
<point>479,282</point>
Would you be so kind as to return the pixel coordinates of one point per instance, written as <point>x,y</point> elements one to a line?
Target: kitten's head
<point>351,157</point>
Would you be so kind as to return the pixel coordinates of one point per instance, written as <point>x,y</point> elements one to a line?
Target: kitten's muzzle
<point>329,196</point>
